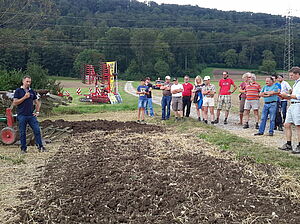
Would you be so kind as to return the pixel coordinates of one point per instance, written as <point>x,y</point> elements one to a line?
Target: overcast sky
<point>276,7</point>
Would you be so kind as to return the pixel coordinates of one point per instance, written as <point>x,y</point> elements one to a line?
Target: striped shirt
<point>252,91</point>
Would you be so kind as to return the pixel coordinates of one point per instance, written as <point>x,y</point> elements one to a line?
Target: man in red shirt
<point>225,96</point>
<point>187,96</point>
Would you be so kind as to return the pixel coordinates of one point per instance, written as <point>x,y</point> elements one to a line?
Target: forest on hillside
<point>146,39</point>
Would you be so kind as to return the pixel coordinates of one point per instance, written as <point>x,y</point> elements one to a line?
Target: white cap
<point>206,78</point>
<point>168,77</point>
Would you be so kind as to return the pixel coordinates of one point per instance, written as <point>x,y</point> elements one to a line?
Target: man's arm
<point>235,87</point>
<point>17,102</point>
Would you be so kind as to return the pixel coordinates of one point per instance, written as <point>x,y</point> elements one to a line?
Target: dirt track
<point>143,174</point>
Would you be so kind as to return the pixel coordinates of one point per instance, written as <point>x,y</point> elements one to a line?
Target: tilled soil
<point>122,174</point>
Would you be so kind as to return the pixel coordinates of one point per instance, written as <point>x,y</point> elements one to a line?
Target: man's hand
<point>27,95</point>
<point>36,114</point>
<point>285,96</point>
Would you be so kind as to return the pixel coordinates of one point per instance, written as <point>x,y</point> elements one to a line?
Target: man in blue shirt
<point>270,94</point>
<point>24,98</point>
<point>142,91</point>
<point>278,117</point>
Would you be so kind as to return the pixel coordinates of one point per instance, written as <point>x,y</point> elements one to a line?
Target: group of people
<point>275,93</point>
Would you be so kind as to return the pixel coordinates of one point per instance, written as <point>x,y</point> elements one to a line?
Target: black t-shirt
<point>26,107</point>
<point>150,93</point>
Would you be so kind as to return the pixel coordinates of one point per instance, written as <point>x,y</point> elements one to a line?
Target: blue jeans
<point>283,109</point>
<point>269,109</point>
<point>166,102</point>
<point>149,105</point>
<point>34,124</point>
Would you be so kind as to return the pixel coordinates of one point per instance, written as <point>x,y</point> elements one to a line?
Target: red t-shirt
<point>225,85</point>
<point>187,89</point>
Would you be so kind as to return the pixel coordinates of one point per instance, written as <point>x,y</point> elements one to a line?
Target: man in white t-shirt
<point>177,106</point>
<point>285,88</point>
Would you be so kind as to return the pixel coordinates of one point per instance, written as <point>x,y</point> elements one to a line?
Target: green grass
<point>15,161</point>
<point>77,107</point>
<point>243,149</point>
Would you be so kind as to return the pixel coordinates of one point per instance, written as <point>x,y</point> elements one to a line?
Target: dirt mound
<point>102,125</point>
<point>132,178</point>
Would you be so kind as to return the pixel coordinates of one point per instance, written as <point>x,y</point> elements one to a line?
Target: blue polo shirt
<point>143,89</point>
<point>26,107</point>
<point>274,88</point>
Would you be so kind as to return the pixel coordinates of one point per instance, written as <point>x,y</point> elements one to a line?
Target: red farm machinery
<point>105,80</point>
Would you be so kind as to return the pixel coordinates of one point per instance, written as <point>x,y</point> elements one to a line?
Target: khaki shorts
<point>293,114</point>
<point>224,100</point>
<point>177,103</point>
<point>242,104</point>
<point>208,102</point>
<point>251,104</point>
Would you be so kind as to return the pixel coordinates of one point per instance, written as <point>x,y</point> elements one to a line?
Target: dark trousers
<point>186,102</point>
<point>278,119</point>
<point>283,109</point>
<point>34,124</point>
<point>166,107</point>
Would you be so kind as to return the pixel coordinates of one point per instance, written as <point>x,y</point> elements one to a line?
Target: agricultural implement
<point>9,134</point>
<point>105,80</point>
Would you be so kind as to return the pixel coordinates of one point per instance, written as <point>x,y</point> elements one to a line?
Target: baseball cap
<point>168,77</point>
<point>175,79</point>
<point>206,78</point>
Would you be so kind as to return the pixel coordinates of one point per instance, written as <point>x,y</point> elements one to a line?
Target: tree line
<point>146,39</point>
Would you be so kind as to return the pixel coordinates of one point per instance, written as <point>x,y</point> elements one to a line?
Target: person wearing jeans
<point>24,98</point>
<point>187,96</point>
<point>270,94</point>
<point>149,99</point>
<point>166,99</point>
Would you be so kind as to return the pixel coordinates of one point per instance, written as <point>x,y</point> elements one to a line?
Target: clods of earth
<point>125,172</point>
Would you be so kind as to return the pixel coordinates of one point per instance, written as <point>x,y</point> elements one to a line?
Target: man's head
<point>168,79</point>
<point>253,77</point>
<point>175,80</point>
<point>294,73</point>
<point>275,77</point>
<point>280,78</point>
<point>225,75</point>
<point>207,80</point>
<point>186,79</point>
<point>147,80</point>
<point>269,81</point>
<point>26,81</point>
<point>247,77</point>
<point>143,81</point>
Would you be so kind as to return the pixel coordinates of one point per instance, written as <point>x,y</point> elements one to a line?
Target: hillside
<point>144,38</point>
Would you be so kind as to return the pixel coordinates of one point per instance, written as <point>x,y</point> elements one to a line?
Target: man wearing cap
<point>166,99</point>
<point>293,113</point>
<point>187,96</point>
<point>208,91</point>
<point>176,90</point>
<point>225,96</point>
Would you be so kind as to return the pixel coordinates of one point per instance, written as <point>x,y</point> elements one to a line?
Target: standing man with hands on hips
<point>24,98</point>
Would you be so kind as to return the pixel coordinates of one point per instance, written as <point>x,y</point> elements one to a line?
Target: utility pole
<point>288,43</point>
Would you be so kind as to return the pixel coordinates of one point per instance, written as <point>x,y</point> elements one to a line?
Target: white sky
<point>276,7</point>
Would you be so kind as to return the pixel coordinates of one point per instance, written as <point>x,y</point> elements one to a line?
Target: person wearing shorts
<point>224,99</point>
<point>198,96</point>
<point>293,113</point>
<point>208,90</point>
<point>252,91</point>
<point>176,90</point>
<point>242,97</point>
<point>142,91</point>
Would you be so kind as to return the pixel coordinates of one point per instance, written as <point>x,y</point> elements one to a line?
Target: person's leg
<point>169,100</point>
<point>272,111</point>
<point>184,103</point>
<point>22,121</point>
<point>242,106</point>
<point>227,105</point>
<point>188,106</point>
<point>142,114</point>
<point>179,108</point>
<point>205,112</point>
<point>212,113</point>
<point>198,112</point>
<point>288,131</point>
<point>283,110</point>
<point>219,107</point>
<point>34,124</point>
<point>298,132</point>
<point>263,120</point>
<point>146,107</point>
<point>256,115</point>
<point>246,116</point>
<point>163,107</point>
<point>139,114</point>
<point>150,105</point>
